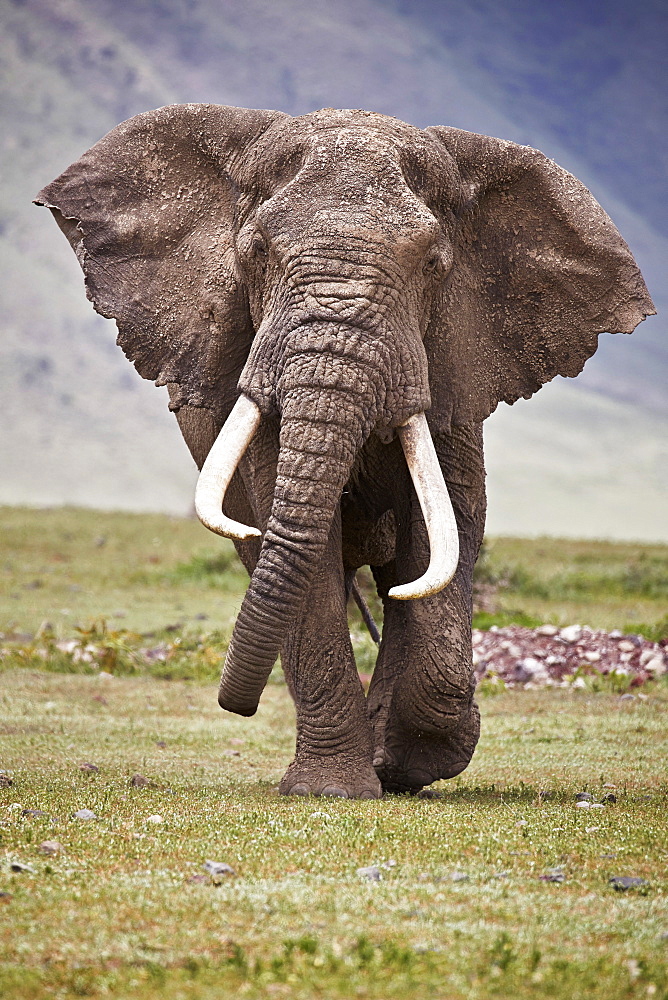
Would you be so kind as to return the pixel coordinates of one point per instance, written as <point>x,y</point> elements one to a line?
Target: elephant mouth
<point>418,447</point>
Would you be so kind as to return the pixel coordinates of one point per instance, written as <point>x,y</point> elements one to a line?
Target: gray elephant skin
<point>333,278</point>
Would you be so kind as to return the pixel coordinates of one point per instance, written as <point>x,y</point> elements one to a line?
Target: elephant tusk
<point>219,467</point>
<point>436,507</point>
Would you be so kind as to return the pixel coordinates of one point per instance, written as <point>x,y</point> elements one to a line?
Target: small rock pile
<point>550,656</point>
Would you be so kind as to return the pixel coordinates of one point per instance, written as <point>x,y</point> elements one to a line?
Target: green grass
<point>115,913</point>
<point>602,584</point>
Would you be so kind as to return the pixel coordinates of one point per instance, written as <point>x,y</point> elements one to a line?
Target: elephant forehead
<point>363,148</point>
<point>349,185</point>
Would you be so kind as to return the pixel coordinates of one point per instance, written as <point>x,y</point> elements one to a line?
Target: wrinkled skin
<point>345,271</point>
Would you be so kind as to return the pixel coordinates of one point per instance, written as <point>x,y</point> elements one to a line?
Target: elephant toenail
<point>378,761</point>
<point>300,789</point>
<point>335,792</point>
<point>368,794</point>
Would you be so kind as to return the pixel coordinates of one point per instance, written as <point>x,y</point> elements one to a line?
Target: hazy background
<point>582,80</point>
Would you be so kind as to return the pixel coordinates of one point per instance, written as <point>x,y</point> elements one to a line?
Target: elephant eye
<point>433,261</point>
<point>259,246</point>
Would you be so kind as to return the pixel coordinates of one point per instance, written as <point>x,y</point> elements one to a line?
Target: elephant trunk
<point>324,423</point>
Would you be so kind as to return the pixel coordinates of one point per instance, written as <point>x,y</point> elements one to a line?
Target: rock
<point>18,866</point>
<point>34,813</point>
<point>231,753</point>
<point>656,666</point>
<point>50,847</point>
<point>84,814</point>
<point>583,804</point>
<point>530,669</point>
<point>624,882</point>
<point>89,768</point>
<point>609,798</point>
<point>592,655</point>
<point>571,633</point>
<point>625,646</point>
<point>371,874</point>
<point>584,797</point>
<point>5,897</point>
<point>218,869</point>
<point>626,697</point>
<point>139,781</point>
<point>5,780</point>
<point>199,880</point>
<point>553,875</point>
<point>155,818</point>
<point>161,744</point>
<point>458,877</point>
<point>547,630</point>
<point>428,793</point>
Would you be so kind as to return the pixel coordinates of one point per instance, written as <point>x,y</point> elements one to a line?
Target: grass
<point>114,913</point>
<point>461,910</point>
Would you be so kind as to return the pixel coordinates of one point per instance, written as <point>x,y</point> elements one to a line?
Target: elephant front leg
<point>334,743</point>
<point>421,701</point>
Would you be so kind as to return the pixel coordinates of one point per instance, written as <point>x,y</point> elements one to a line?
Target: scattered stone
<point>608,785</point>
<point>105,675</point>
<point>50,847</point>
<point>161,744</point>
<point>623,882</point>
<point>583,804</point>
<point>584,797</point>
<point>84,814</point>
<point>5,897</point>
<point>547,655</point>
<point>627,697</point>
<point>155,818</point>
<point>596,805</point>
<point>89,768</point>
<point>218,869</point>
<point>199,880</point>
<point>609,798</point>
<point>553,875</point>
<point>139,781</point>
<point>390,864</point>
<point>503,874</point>
<point>17,866</point>
<point>34,813</point>
<point>428,793</point>
<point>371,874</point>
<point>231,753</point>
<point>5,780</point>
<point>457,876</point>
<point>235,741</point>
<point>591,829</point>
<point>547,630</point>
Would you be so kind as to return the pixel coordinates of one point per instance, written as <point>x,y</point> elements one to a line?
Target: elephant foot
<point>409,761</point>
<point>331,778</point>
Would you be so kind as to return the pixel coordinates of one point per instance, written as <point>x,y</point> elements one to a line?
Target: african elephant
<point>336,302</point>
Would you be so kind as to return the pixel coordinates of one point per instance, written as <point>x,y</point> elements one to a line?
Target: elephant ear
<point>539,271</point>
<point>149,212</point>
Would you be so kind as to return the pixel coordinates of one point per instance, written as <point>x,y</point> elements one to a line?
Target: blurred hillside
<point>582,81</point>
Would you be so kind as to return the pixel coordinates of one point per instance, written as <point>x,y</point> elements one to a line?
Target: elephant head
<point>348,274</point>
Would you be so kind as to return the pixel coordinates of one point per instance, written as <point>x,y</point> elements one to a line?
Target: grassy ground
<point>124,908</point>
<point>461,912</point>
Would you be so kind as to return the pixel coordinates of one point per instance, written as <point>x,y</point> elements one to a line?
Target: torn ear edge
<point>539,272</point>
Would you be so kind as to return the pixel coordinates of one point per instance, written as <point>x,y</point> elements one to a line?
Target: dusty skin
<point>345,273</point>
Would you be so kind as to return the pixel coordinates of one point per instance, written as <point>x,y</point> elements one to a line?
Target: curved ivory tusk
<point>436,507</point>
<point>221,463</point>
